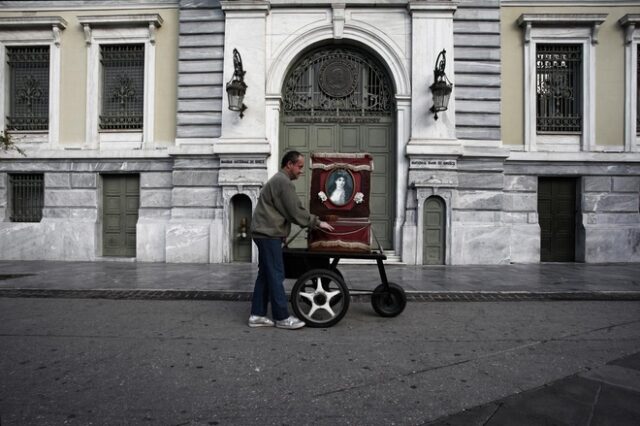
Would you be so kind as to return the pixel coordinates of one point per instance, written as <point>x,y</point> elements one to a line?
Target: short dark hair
<point>290,156</point>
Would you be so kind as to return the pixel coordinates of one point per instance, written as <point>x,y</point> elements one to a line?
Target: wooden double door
<point>557,219</point>
<point>121,201</point>
<point>339,98</point>
<point>372,138</point>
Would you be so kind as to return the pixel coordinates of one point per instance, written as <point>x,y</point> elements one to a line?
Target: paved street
<point>168,362</point>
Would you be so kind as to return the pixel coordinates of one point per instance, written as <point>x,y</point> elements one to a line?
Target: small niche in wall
<point>240,228</point>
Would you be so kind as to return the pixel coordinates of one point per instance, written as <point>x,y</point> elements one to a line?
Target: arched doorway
<point>340,99</point>
<point>240,228</point>
<point>434,237</point>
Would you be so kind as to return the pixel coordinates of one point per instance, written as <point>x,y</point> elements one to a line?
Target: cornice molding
<point>245,6</point>
<point>31,22</point>
<point>593,20</point>
<point>152,21</point>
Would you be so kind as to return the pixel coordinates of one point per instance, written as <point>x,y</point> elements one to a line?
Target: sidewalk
<point>556,281</point>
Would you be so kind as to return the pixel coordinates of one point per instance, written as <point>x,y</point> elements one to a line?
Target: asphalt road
<point>108,362</point>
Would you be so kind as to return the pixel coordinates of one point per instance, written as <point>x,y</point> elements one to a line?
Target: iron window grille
<point>338,83</point>
<point>122,86</point>
<point>559,88</point>
<point>27,197</point>
<point>28,88</point>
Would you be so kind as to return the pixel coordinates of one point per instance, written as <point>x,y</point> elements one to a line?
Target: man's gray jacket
<point>278,207</point>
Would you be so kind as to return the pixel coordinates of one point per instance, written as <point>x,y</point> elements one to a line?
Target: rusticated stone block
<point>626,184</point>
<point>84,180</point>
<point>70,198</point>
<point>597,183</point>
<point>206,178</point>
<point>57,180</point>
<point>466,216</point>
<point>481,180</point>
<point>187,242</point>
<point>610,203</point>
<point>155,198</point>
<point>196,197</point>
<point>156,180</point>
<point>56,212</point>
<point>478,200</point>
<point>521,183</point>
<point>520,202</point>
<point>481,244</point>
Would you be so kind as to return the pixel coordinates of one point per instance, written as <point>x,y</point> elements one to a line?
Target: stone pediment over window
<point>566,20</point>
<point>151,21</point>
<point>31,22</point>
<point>22,23</point>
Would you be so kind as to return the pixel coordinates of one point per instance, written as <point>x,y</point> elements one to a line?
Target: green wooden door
<point>434,232</point>
<point>557,218</point>
<point>121,200</point>
<point>374,139</point>
<point>339,99</point>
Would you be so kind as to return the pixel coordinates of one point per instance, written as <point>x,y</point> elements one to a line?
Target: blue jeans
<point>269,284</point>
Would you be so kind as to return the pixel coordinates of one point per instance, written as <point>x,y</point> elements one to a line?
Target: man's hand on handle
<point>325,226</point>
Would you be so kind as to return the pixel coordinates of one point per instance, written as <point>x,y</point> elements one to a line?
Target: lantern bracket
<point>236,87</point>
<point>441,87</point>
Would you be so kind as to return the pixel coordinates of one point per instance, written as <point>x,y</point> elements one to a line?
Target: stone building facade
<point>484,183</point>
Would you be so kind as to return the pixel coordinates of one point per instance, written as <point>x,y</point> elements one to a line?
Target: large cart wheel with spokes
<point>389,300</point>
<point>320,298</point>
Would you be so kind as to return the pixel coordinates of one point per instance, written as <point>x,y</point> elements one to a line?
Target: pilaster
<point>432,31</point>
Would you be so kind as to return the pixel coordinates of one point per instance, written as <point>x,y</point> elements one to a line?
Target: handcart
<point>320,296</point>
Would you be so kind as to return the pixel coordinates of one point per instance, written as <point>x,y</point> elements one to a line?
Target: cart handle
<point>290,240</point>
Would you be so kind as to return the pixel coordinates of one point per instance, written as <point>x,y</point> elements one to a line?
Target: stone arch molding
<point>293,47</point>
<point>228,192</point>
<point>390,54</point>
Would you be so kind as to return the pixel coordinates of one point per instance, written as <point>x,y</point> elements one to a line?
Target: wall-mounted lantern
<point>441,87</point>
<point>236,88</point>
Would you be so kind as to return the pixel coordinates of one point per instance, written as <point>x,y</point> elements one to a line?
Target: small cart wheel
<point>389,302</point>
<point>320,298</point>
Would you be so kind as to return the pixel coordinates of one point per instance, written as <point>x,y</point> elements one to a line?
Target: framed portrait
<point>340,187</point>
<point>340,184</point>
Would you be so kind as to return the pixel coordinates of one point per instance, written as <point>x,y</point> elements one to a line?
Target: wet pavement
<point>607,395</point>
<point>194,362</point>
<point>566,281</point>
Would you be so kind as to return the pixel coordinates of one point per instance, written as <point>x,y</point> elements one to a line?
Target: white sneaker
<point>291,323</point>
<point>258,321</point>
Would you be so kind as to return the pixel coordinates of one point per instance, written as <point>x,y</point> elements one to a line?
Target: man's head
<point>292,164</point>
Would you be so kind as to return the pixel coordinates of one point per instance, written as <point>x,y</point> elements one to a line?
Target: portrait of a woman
<point>340,187</point>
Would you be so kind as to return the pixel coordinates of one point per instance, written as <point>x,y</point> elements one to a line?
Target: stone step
<point>392,259</point>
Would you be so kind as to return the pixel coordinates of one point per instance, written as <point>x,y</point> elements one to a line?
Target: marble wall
<point>611,218</point>
<point>491,210</point>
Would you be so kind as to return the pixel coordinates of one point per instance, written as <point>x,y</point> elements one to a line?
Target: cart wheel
<point>389,302</point>
<point>320,298</point>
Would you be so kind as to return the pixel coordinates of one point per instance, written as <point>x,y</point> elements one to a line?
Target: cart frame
<point>320,286</point>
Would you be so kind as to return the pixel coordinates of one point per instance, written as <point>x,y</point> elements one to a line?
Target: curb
<point>412,296</point>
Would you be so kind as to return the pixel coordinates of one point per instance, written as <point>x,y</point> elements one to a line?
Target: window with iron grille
<point>559,88</point>
<point>28,68</point>
<point>122,86</point>
<point>27,197</point>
